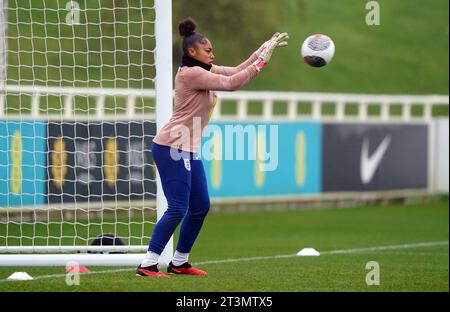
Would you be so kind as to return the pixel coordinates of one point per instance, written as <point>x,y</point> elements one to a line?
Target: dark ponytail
<point>187,27</point>
<point>187,30</point>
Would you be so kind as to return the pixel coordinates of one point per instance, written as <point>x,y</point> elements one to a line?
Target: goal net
<point>79,107</point>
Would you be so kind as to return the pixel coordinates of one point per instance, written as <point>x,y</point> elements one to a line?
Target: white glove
<point>266,50</point>
<point>265,44</point>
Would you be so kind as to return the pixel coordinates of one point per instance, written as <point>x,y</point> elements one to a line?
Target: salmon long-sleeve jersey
<point>195,100</point>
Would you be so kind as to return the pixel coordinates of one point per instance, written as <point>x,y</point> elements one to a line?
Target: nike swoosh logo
<point>369,164</point>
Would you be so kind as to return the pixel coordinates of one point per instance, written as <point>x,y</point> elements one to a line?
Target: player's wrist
<point>259,64</point>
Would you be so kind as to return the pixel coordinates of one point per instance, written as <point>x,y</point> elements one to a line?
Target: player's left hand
<point>266,51</point>
<point>265,44</point>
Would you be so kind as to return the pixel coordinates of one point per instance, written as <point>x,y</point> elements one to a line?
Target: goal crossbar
<point>45,260</point>
<point>72,249</point>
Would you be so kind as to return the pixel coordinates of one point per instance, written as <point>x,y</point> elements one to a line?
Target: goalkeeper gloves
<point>266,50</point>
<point>264,45</point>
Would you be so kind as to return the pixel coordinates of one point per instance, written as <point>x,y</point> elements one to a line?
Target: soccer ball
<point>318,50</point>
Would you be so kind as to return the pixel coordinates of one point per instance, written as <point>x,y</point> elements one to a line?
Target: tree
<point>236,28</point>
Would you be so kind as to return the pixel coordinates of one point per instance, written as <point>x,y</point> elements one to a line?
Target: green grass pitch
<point>255,251</point>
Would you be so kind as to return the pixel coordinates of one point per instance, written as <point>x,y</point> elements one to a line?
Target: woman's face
<point>203,52</point>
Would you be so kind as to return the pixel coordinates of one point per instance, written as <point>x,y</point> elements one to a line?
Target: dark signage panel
<point>374,157</point>
<point>100,161</point>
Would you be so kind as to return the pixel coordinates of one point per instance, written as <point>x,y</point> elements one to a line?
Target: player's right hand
<point>277,40</point>
<point>265,44</point>
<point>266,50</point>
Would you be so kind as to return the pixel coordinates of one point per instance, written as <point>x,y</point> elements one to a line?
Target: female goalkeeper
<point>174,147</point>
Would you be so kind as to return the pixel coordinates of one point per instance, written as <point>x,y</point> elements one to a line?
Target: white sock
<point>179,258</point>
<point>151,258</point>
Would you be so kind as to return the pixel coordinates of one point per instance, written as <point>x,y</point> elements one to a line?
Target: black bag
<point>107,239</point>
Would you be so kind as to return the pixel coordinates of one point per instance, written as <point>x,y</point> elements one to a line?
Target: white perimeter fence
<point>289,102</point>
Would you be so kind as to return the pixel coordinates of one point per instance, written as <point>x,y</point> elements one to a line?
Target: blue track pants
<point>185,187</point>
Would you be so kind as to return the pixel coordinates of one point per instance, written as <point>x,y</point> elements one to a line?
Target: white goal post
<point>46,217</point>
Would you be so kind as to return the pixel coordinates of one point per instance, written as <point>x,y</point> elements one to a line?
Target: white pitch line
<point>330,252</point>
<point>64,275</point>
<point>369,249</point>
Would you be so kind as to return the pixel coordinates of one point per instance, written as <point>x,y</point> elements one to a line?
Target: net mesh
<point>76,80</point>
